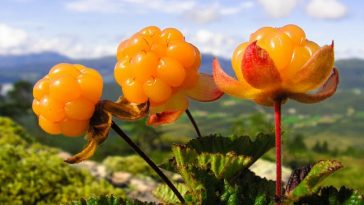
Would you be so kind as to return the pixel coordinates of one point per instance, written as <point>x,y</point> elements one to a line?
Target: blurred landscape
<point>36,35</point>
<point>332,129</point>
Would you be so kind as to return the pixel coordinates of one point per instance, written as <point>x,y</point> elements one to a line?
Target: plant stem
<point>126,138</point>
<point>277,117</point>
<point>193,123</point>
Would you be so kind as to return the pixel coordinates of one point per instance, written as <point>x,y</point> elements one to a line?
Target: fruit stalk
<point>277,117</point>
<point>193,123</point>
<point>126,138</point>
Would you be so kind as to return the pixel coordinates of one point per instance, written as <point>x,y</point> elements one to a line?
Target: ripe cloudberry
<point>160,66</point>
<point>65,99</point>
<point>280,63</point>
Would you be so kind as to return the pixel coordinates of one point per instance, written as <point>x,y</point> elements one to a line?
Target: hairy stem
<point>277,117</point>
<point>126,138</point>
<point>193,123</point>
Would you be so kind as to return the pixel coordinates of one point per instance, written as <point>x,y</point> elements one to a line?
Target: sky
<point>93,28</point>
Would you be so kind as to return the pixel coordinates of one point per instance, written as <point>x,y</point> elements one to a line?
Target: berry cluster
<point>287,47</point>
<point>155,64</point>
<point>65,99</point>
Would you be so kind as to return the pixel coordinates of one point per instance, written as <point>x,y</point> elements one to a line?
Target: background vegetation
<point>31,173</point>
<point>328,130</point>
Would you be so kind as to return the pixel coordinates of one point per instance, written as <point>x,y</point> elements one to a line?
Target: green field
<point>336,122</point>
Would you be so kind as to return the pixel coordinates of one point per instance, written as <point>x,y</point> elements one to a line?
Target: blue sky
<point>93,28</point>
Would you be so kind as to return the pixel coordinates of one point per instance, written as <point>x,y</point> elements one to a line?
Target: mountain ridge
<point>31,67</point>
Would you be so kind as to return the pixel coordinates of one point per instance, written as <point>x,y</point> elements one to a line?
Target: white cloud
<point>94,6</point>
<point>214,43</point>
<point>11,37</point>
<point>209,13</point>
<point>326,9</point>
<point>14,41</point>
<point>192,9</point>
<point>349,53</point>
<point>124,6</point>
<point>279,8</point>
<point>203,15</point>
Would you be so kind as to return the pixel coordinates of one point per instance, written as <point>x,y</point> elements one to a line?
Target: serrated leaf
<point>207,163</point>
<point>170,165</point>
<point>137,202</point>
<point>255,190</point>
<point>222,165</point>
<point>100,200</point>
<point>184,157</point>
<point>166,195</point>
<point>318,172</point>
<point>296,177</point>
<point>109,200</point>
<point>248,189</point>
<point>332,196</point>
<point>241,145</point>
<point>229,194</point>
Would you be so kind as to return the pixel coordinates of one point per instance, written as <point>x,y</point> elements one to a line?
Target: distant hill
<point>31,67</point>
<point>351,73</point>
<point>19,60</point>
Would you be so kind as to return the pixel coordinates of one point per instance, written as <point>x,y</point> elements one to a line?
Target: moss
<point>32,173</point>
<point>132,164</point>
<point>11,133</point>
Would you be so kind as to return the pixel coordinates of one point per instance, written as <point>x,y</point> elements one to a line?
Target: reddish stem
<point>277,117</point>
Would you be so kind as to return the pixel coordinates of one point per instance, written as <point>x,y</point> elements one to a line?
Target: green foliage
<point>307,186</point>
<point>145,136</point>
<point>222,165</point>
<point>17,101</point>
<point>133,164</point>
<point>332,196</point>
<point>11,133</point>
<point>164,193</point>
<point>31,173</point>
<point>241,145</point>
<point>302,187</point>
<point>351,175</point>
<point>101,200</point>
<point>321,147</point>
<point>296,144</point>
<point>214,169</point>
<point>250,189</point>
<point>252,124</point>
<point>109,200</point>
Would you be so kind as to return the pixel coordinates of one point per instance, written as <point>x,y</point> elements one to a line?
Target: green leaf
<point>332,196</point>
<point>318,172</point>
<point>238,148</point>
<point>165,194</point>
<point>248,189</point>
<point>101,200</point>
<point>137,202</point>
<point>170,165</point>
<point>109,200</point>
<point>255,190</point>
<point>222,165</point>
<point>241,145</point>
<point>207,163</point>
